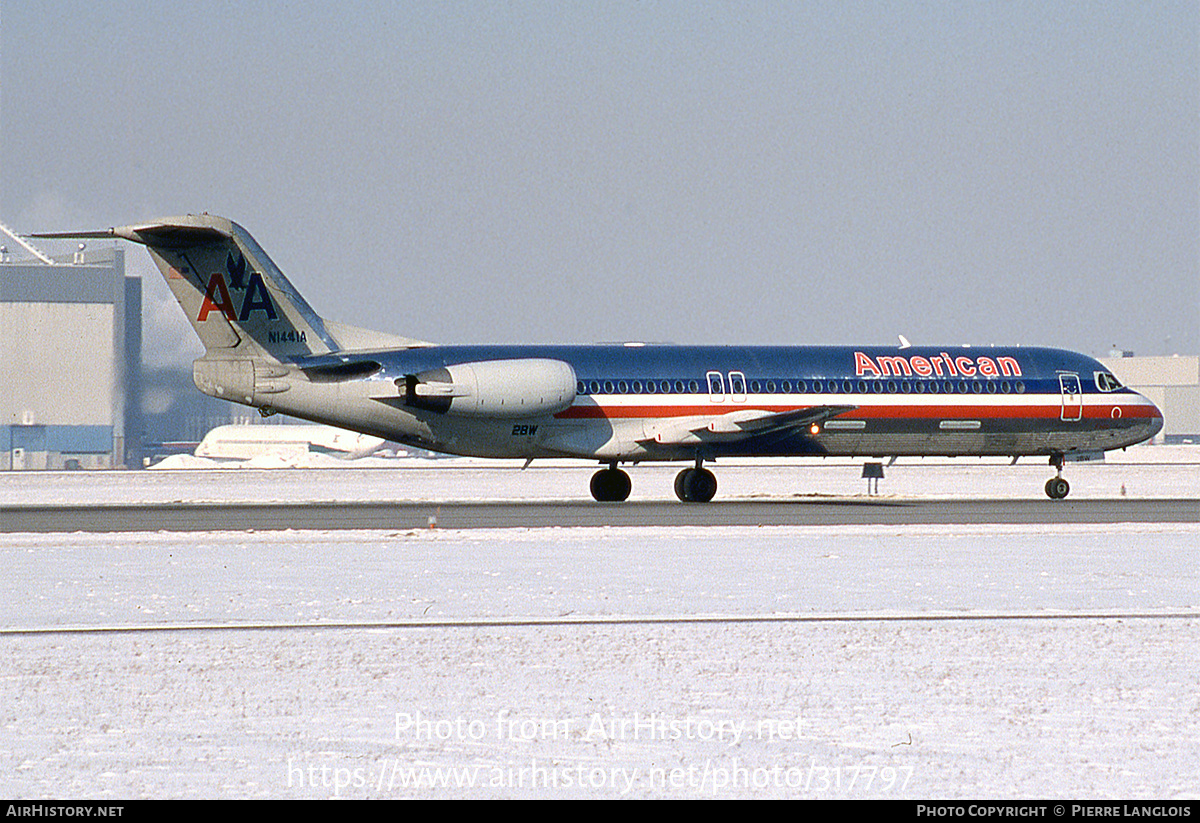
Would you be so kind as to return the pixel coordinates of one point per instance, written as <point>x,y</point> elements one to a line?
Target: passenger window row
<point>786,386</point>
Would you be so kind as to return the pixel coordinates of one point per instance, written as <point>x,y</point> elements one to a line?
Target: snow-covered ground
<point>866,661</point>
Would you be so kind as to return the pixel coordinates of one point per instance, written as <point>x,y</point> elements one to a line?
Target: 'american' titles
<point>939,365</point>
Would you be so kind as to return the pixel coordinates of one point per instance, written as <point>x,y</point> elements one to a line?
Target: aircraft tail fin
<point>236,298</point>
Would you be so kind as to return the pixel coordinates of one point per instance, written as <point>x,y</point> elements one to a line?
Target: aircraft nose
<point>1154,418</point>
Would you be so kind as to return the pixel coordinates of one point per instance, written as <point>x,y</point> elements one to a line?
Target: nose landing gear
<point>1057,487</point>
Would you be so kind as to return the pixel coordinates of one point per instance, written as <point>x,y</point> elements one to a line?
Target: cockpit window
<point>1106,382</point>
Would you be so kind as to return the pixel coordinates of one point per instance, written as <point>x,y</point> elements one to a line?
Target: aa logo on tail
<point>255,297</point>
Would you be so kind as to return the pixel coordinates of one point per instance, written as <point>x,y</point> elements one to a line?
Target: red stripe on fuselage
<point>916,412</point>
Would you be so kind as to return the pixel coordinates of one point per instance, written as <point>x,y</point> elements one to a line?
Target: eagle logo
<point>237,270</point>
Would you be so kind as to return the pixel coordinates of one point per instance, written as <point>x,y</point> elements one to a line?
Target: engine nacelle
<point>493,388</point>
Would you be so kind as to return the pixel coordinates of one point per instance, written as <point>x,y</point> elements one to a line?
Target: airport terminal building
<point>72,352</point>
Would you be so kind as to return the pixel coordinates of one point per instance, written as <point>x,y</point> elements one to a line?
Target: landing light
<point>814,429</point>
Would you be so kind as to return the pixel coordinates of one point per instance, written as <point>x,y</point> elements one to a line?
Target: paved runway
<point>187,517</point>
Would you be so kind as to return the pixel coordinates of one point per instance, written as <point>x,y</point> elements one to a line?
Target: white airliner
<point>238,442</point>
<point>266,347</point>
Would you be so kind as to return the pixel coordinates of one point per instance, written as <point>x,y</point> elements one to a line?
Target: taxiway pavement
<point>218,516</point>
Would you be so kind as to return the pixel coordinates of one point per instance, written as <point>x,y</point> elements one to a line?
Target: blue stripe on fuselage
<point>1039,367</point>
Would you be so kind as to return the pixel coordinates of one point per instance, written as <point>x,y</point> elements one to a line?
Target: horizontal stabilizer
<point>166,234</point>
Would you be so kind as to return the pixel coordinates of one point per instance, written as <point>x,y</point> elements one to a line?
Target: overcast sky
<point>780,173</point>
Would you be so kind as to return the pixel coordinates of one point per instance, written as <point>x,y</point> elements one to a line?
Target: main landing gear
<point>1057,487</point>
<point>611,485</point>
<point>697,485</point>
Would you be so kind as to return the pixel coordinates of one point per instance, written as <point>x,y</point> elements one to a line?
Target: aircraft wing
<point>735,425</point>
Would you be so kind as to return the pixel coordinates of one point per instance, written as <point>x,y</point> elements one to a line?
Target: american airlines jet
<point>266,347</point>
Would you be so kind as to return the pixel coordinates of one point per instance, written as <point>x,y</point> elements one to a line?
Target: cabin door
<point>1072,396</point>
